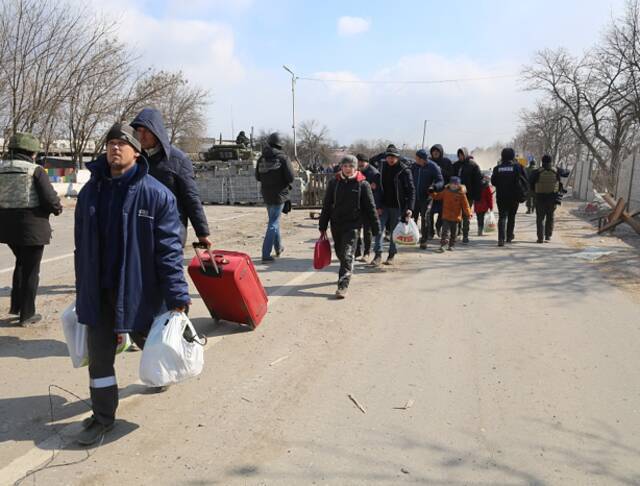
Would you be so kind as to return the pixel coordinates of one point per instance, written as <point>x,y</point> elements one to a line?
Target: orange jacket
<point>454,203</point>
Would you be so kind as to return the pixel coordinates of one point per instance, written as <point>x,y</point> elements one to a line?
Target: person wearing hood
<point>128,264</point>
<point>174,169</point>
<point>397,200</point>
<point>348,202</point>
<point>531,196</point>
<point>27,199</point>
<point>485,204</point>
<point>365,236</point>
<point>471,177</point>
<point>511,185</point>
<point>426,176</point>
<point>242,139</point>
<point>437,155</point>
<point>455,206</point>
<point>545,184</point>
<point>275,173</point>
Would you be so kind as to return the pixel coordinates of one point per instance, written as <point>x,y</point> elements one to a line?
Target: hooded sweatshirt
<point>173,168</point>
<point>275,174</point>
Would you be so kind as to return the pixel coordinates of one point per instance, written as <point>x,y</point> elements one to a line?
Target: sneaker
<point>341,293</point>
<point>268,259</point>
<point>92,431</point>
<point>279,252</point>
<point>31,321</point>
<point>547,238</point>
<point>365,257</point>
<point>14,312</point>
<point>501,243</point>
<point>389,260</point>
<point>377,261</point>
<point>440,250</point>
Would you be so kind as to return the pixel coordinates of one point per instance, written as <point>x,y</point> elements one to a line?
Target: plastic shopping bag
<point>172,352</point>
<point>322,253</point>
<point>75,334</point>
<point>490,224</point>
<point>406,233</point>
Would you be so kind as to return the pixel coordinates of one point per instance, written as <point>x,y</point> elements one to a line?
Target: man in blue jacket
<point>397,199</point>
<point>426,176</point>
<point>128,263</point>
<point>173,168</point>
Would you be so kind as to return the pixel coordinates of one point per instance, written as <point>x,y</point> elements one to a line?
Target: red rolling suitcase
<point>229,285</point>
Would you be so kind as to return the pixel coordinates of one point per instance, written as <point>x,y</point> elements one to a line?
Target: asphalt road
<point>481,366</point>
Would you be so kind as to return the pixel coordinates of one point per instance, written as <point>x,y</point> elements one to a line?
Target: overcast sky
<point>236,49</point>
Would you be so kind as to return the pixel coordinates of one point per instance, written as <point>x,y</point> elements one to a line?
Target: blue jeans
<point>389,216</point>
<point>272,237</point>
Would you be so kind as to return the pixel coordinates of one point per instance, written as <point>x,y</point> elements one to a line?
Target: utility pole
<point>293,109</point>
<point>424,133</point>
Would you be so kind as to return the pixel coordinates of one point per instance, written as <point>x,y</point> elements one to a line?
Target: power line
<point>431,81</point>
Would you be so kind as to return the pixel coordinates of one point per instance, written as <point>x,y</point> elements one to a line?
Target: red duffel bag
<point>322,253</point>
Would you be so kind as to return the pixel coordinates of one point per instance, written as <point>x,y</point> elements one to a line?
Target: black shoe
<point>465,241</point>
<point>510,240</point>
<point>389,260</point>
<point>540,240</point>
<point>14,312</point>
<point>547,238</point>
<point>377,260</point>
<point>501,243</point>
<point>31,321</point>
<point>92,431</point>
<point>423,246</point>
<point>279,252</point>
<point>268,259</point>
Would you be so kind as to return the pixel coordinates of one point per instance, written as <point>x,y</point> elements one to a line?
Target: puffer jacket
<point>454,203</point>
<point>348,203</point>
<point>424,177</point>
<point>275,173</point>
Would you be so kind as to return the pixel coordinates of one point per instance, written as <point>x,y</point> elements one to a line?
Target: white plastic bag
<point>490,224</point>
<point>75,334</point>
<point>406,233</point>
<point>167,357</point>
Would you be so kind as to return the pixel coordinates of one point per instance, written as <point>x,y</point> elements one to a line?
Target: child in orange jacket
<point>454,205</point>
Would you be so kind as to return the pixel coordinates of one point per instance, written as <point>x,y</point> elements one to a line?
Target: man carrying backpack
<point>512,188</point>
<point>545,184</point>
<point>348,202</point>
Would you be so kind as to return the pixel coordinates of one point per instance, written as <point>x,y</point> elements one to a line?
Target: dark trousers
<point>507,210</point>
<point>448,233</point>
<point>435,218</point>
<point>480,218</point>
<point>422,212</point>
<point>365,237</point>
<point>26,278</point>
<point>102,342</point>
<point>345,244</point>
<point>545,209</point>
<point>463,226</point>
<point>531,202</point>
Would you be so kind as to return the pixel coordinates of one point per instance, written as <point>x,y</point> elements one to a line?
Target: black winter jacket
<point>174,169</point>
<point>348,203</point>
<point>443,162</point>
<point>505,180</point>
<point>470,175</point>
<point>404,187</point>
<point>275,173</point>
<point>30,227</point>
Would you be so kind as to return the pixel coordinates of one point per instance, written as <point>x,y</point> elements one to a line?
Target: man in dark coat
<point>275,173</point>
<point>545,184</point>
<point>397,200</point>
<point>427,178</point>
<point>26,201</point>
<point>173,168</point>
<point>348,201</point>
<point>365,237</point>
<point>511,185</point>
<point>471,176</point>
<point>531,197</point>
<point>437,155</point>
<point>128,262</point>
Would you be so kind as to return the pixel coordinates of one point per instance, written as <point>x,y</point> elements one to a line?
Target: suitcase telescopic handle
<point>197,246</point>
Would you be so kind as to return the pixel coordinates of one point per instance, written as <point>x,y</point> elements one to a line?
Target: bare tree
<point>314,144</point>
